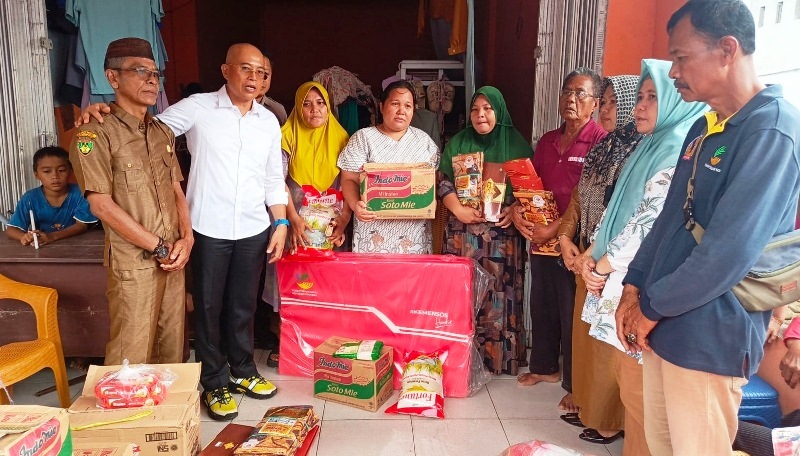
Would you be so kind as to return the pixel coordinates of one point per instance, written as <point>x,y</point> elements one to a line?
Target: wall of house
<point>505,46</point>
<point>179,32</point>
<point>636,29</point>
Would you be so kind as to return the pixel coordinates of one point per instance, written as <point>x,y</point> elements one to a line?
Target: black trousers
<point>226,275</point>
<point>552,303</point>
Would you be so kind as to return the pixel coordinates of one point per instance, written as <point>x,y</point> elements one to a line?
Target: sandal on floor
<point>272,360</point>
<point>591,435</point>
<point>573,419</point>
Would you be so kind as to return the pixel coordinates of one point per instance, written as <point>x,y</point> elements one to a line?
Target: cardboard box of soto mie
<point>34,430</point>
<point>361,384</point>
<point>171,428</point>
<point>399,191</point>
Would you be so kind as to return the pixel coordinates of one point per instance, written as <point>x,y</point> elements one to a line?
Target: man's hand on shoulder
<point>96,110</point>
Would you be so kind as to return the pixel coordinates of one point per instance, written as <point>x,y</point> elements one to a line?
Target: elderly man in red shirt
<point>558,160</point>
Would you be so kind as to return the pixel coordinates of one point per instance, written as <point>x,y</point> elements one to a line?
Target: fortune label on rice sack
<point>422,387</point>
<point>539,204</point>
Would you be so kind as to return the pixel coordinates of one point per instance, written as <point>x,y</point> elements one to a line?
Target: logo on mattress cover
<point>442,318</point>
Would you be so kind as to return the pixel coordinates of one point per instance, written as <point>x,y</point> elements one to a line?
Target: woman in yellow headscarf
<point>311,141</point>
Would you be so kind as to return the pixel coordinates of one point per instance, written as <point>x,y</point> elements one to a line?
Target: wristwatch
<point>161,251</point>
<point>280,222</point>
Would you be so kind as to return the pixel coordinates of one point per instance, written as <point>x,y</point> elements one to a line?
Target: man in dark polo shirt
<point>129,173</point>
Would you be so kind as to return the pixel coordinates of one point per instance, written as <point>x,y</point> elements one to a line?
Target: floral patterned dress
<point>599,311</point>
<point>501,251</point>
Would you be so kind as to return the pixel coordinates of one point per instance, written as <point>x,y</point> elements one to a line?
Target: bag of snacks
<point>281,432</point>
<point>494,190</point>
<point>365,350</point>
<point>467,178</point>
<point>133,386</point>
<point>422,392</point>
<point>319,211</point>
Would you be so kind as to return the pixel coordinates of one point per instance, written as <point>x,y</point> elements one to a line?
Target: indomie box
<point>34,430</point>
<point>171,428</point>
<point>362,384</point>
<point>399,191</point>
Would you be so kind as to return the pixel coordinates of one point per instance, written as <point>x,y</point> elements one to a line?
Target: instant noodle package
<point>282,431</point>
<point>399,190</point>
<point>364,384</point>
<point>422,393</point>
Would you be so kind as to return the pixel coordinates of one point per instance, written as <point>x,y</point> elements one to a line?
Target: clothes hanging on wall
<point>101,22</point>
<point>448,22</point>
<point>341,84</point>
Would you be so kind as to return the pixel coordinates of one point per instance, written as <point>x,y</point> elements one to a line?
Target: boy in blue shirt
<point>59,208</point>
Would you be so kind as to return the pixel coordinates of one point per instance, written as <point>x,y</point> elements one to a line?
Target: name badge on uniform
<point>575,159</point>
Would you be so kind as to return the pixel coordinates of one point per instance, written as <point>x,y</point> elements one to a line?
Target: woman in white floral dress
<point>391,141</point>
<point>664,118</point>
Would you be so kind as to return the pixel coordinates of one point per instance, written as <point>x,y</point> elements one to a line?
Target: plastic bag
<point>423,391</point>
<point>539,448</point>
<point>7,393</point>
<point>133,386</point>
<point>786,441</point>
<point>365,350</point>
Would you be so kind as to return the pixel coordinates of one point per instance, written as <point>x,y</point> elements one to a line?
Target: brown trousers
<point>147,309</point>
<point>631,390</point>
<point>594,383</point>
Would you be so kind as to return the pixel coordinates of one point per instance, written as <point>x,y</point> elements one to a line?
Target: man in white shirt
<point>236,174</point>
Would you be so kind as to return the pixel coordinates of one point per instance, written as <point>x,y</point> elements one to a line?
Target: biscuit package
<point>539,204</point>
<point>282,431</point>
<point>468,178</point>
<point>422,392</point>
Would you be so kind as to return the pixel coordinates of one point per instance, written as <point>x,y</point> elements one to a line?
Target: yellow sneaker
<point>256,386</point>
<point>220,404</point>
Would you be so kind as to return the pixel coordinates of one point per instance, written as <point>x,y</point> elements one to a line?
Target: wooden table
<point>75,268</point>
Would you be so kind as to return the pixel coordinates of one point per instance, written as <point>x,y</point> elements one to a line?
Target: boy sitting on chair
<point>59,208</point>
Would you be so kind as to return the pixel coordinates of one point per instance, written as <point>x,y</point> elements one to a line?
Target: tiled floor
<point>499,415</point>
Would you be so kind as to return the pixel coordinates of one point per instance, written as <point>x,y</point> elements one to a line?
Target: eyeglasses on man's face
<point>141,72</point>
<point>579,94</point>
<point>248,70</point>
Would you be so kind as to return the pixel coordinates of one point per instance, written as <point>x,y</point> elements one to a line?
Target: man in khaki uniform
<point>129,173</point>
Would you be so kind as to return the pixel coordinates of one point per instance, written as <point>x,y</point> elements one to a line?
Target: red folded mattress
<point>410,302</point>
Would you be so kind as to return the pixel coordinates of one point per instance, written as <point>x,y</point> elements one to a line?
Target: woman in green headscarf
<point>664,119</point>
<point>497,246</point>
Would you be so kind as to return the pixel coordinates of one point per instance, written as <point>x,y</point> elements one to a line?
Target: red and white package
<point>133,386</point>
<point>423,393</point>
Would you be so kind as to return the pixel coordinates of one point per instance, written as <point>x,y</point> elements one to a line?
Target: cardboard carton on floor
<point>361,384</point>
<point>399,191</point>
<point>88,448</point>
<point>172,429</point>
<point>34,430</point>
